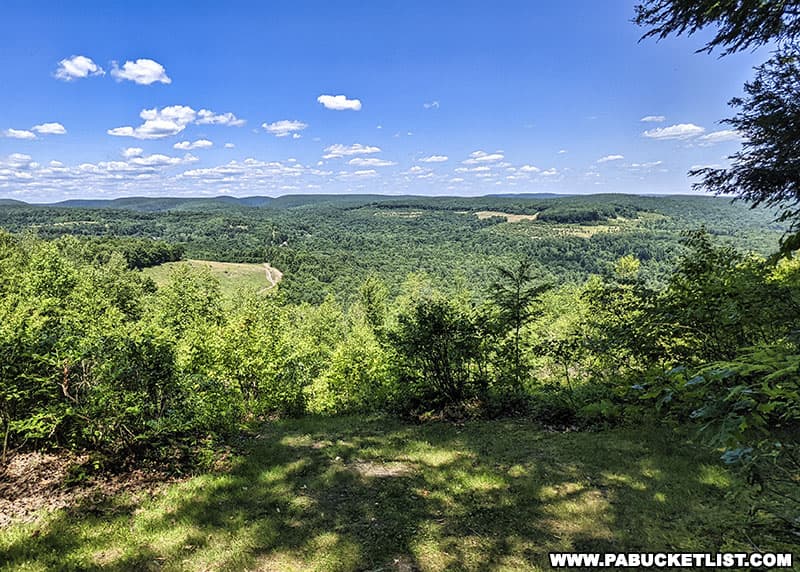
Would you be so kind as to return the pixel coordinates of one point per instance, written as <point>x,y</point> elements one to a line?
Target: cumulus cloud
<point>42,129</point>
<point>199,144</point>
<point>171,120</point>
<point>529,169</point>
<point>49,129</point>
<point>157,174</point>
<point>77,67</point>
<point>143,72</point>
<point>608,158</point>
<point>206,117</point>
<point>19,134</point>
<point>135,174</point>
<point>339,102</point>
<point>360,174</point>
<point>434,159</point>
<point>653,119</point>
<point>151,129</point>
<point>478,169</point>
<point>431,105</point>
<point>680,131</point>
<point>230,146</point>
<point>132,152</point>
<point>339,150</point>
<point>478,157</point>
<point>159,160</point>
<point>721,136</point>
<point>647,165</point>
<point>19,160</point>
<point>370,162</point>
<point>284,127</point>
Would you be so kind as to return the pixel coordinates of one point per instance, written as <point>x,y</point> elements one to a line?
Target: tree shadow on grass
<point>351,494</point>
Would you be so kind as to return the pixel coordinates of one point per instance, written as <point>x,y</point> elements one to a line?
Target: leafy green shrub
<point>437,344</point>
<point>358,377</point>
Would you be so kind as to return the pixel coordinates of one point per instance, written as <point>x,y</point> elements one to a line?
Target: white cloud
<point>370,162</point>
<point>151,129</point>
<point>720,136</point>
<point>77,67</point>
<point>50,129</point>
<point>562,151</point>
<point>181,114</point>
<point>646,165</point>
<point>483,157</point>
<point>230,146</point>
<point>432,105</point>
<point>19,134</point>
<point>158,123</point>
<point>479,169</point>
<point>19,160</point>
<point>157,174</point>
<point>653,119</point>
<point>680,131</point>
<point>159,160</point>
<point>199,144</point>
<point>132,152</point>
<point>550,172</point>
<point>529,169</point>
<point>206,117</point>
<point>434,159</point>
<point>608,158</point>
<point>339,102</point>
<point>142,72</point>
<point>284,127</point>
<point>339,150</point>
<point>171,120</point>
<point>361,174</point>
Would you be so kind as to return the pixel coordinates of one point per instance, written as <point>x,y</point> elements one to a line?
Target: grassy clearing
<point>232,275</point>
<point>510,217</point>
<point>377,494</point>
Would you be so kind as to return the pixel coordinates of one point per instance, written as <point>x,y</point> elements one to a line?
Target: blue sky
<point>107,99</point>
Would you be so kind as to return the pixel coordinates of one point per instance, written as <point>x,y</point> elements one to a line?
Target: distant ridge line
<point>145,203</point>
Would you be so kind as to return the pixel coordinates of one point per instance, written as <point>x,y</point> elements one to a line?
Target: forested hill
<point>284,201</point>
<point>327,244</point>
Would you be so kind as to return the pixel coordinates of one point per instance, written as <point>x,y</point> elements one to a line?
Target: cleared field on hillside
<point>510,217</point>
<point>231,275</point>
<point>358,493</point>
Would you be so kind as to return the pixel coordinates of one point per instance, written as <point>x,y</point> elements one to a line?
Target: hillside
<point>327,244</point>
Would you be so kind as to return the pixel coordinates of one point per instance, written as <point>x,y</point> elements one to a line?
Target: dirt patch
<point>35,483</point>
<point>273,276</point>
<point>510,217</point>
<point>400,214</point>
<point>383,470</point>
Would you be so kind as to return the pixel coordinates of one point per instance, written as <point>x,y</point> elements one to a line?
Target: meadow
<point>231,275</point>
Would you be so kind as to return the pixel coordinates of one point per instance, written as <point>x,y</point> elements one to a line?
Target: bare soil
<point>32,484</point>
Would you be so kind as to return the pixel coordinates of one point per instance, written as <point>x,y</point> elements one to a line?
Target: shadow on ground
<point>356,494</point>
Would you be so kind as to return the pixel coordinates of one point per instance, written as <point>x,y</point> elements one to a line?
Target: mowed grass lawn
<point>358,493</point>
<point>232,276</point>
